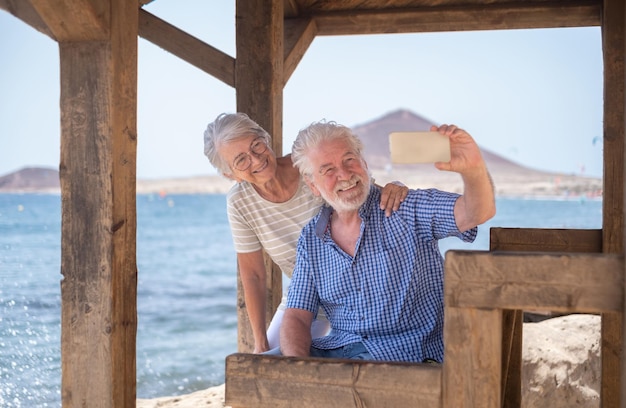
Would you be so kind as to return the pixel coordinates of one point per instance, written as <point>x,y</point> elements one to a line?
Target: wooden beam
<point>472,362</point>
<point>299,34</point>
<point>186,47</point>
<point>513,15</point>
<point>545,239</point>
<point>75,20</point>
<point>98,240</point>
<point>259,88</point>
<point>590,283</point>
<point>274,382</point>
<point>25,11</point>
<point>123,156</point>
<point>612,329</point>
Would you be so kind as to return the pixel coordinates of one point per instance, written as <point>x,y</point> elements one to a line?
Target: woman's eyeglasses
<point>243,161</point>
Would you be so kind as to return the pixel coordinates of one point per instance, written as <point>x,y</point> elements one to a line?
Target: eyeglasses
<point>243,161</point>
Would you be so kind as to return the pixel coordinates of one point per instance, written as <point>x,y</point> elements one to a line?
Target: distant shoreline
<point>517,184</point>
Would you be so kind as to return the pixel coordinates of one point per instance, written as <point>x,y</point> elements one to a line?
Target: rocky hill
<point>33,179</point>
<point>375,137</point>
<point>510,179</point>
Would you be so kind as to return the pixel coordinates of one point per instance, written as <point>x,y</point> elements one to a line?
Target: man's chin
<point>350,204</point>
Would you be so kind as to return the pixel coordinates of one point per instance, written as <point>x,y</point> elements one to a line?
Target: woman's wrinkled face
<point>249,158</point>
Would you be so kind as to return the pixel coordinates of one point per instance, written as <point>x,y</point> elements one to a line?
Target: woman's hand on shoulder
<point>392,195</point>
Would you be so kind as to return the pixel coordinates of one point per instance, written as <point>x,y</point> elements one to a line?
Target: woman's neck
<point>283,185</point>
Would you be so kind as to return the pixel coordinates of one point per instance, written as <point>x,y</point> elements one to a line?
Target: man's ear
<point>311,185</point>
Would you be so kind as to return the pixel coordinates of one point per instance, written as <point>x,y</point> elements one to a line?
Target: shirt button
<point>365,337</point>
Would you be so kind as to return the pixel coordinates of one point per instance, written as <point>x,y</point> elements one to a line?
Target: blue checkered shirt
<point>390,294</point>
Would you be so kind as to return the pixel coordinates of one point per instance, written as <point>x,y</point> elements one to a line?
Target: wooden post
<point>97,174</point>
<point>613,42</point>
<point>259,87</point>
<point>472,362</point>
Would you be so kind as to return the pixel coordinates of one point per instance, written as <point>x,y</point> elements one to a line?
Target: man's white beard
<point>351,201</point>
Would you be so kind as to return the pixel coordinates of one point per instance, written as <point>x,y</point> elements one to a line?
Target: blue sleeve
<point>302,293</point>
<point>434,214</point>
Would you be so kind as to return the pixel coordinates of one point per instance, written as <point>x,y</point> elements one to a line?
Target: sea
<point>187,288</point>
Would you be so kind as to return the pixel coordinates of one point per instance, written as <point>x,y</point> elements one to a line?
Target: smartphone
<point>419,147</point>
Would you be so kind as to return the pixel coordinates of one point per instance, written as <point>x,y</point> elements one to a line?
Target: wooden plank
<point>123,157</point>
<point>268,381</point>
<point>512,328</point>
<point>86,220</point>
<point>97,175</point>
<point>75,20</point>
<point>516,15</point>
<point>591,283</point>
<point>299,34</point>
<point>472,363</point>
<point>24,10</point>
<point>186,47</point>
<point>530,239</point>
<point>259,88</point>
<point>547,240</point>
<point>612,329</point>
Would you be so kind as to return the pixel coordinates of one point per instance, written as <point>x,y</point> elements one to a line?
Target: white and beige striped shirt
<point>257,223</point>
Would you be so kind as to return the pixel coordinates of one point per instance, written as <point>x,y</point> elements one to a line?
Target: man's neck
<point>345,228</point>
<point>346,218</point>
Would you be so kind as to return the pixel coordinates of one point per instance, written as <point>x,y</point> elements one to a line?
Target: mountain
<point>31,179</point>
<point>375,137</point>
<point>510,179</point>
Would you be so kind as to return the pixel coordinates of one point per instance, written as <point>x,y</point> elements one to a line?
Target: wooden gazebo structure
<point>485,292</point>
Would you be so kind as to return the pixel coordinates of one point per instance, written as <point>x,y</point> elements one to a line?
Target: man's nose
<point>344,173</point>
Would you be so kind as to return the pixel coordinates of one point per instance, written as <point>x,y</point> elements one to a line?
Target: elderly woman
<point>267,208</point>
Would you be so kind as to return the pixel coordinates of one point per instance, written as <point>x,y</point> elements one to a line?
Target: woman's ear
<point>231,176</point>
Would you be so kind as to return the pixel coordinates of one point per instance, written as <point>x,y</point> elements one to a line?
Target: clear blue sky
<point>533,96</point>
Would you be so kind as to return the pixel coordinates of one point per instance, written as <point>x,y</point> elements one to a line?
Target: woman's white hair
<point>228,127</point>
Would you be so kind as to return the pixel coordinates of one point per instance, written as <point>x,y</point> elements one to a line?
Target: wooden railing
<point>481,288</point>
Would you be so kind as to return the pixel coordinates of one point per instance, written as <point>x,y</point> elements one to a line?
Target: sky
<point>532,96</point>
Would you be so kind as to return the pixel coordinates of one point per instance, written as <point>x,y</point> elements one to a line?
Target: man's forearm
<point>477,205</point>
<point>295,336</point>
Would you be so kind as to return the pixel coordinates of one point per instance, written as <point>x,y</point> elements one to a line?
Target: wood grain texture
<point>590,283</point>
<point>98,248</point>
<point>75,20</point>
<point>24,10</point>
<point>465,17</point>
<point>269,381</point>
<point>299,34</point>
<point>613,335</point>
<point>473,358</point>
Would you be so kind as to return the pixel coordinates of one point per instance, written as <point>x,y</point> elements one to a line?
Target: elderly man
<point>379,279</point>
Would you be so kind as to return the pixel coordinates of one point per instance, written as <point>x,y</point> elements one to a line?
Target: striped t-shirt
<point>257,223</point>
